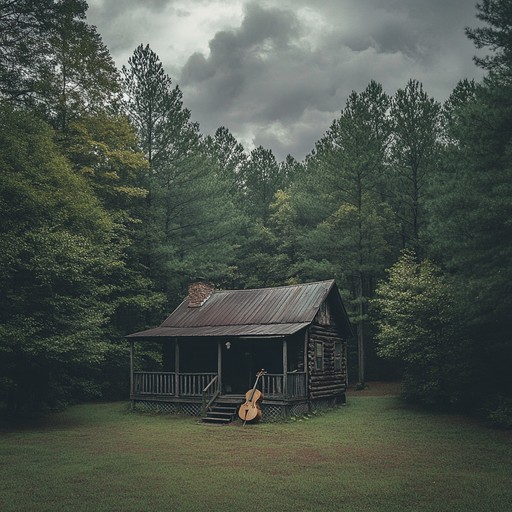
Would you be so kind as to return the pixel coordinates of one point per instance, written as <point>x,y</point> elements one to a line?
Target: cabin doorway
<point>244,359</point>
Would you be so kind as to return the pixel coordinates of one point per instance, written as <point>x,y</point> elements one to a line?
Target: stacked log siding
<point>328,382</point>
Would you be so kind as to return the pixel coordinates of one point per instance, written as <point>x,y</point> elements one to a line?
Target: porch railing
<point>192,384</point>
<point>164,383</point>
<point>196,384</point>
<point>154,383</point>
<point>297,384</point>
<point>272,385</point>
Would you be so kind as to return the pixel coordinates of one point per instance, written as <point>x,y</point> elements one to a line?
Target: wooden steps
<point>221,412</point>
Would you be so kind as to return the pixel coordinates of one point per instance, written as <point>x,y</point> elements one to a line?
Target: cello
<point>251,410</point>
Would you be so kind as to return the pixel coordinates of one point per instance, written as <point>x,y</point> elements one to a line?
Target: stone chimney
<point>198,293</point>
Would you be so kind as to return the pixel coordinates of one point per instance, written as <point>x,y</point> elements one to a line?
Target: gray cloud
<point>282,74</point>
<point>125,24</point>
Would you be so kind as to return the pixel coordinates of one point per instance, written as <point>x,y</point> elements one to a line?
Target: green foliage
<point>470,215</point>
<point>55,270</point>
<point>104,150</point>
<point>189,219</point>
<point>495,34</point>
<point>414,154</point>
<point>261,177</point>
<point>53,61</point>
<point>470,228</point>
<point>420,325</point>
<point>261,262</point>
<point>339,193</point>
<point>83,77</point>
<point>102,231</point>
<point>25,50</point>
<point>229,157</point>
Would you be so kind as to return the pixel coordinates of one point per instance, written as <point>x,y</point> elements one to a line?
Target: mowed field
<point>374,454</point>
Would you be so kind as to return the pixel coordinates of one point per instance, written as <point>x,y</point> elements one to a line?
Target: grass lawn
<point>374,454</point>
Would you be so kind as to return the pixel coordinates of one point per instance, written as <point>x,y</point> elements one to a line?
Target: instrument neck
<point>254,387</point>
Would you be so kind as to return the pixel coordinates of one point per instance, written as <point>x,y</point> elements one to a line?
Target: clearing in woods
<point>374,454</point>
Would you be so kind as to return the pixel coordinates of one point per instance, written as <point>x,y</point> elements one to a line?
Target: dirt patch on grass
<point>377,388</point>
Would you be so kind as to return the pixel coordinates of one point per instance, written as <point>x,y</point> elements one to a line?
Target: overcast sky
<point>277,72</point>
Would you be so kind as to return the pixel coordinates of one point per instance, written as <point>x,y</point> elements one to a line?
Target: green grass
<point>372,455</point>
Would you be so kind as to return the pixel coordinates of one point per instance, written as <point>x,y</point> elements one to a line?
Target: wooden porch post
<point>131,372</point>
<point>219,364</point>
<point>285,367</point>
<point>176,368</point>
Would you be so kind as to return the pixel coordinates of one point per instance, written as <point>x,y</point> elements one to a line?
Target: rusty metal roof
<point>224,330</point>
<point>275,311</point>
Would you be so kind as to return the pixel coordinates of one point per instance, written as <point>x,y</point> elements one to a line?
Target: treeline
<point>112,200</point>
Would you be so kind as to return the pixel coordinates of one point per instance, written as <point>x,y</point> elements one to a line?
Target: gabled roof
<point>275,311</point>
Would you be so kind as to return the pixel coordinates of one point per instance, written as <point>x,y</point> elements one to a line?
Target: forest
<point>112,200</point>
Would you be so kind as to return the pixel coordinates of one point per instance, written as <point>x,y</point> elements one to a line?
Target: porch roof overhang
<point>216,331</point>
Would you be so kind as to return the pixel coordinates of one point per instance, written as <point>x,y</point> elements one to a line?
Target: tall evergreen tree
<point>230,157</point>
<point>261,179</point>
<point>496,35</point>
<point>414,155</point>
<point>25,50</point>
<point>84,76</point>
<point>189,218</point>
<point>352,225</point>
<point>155,107</point>
<point>470,217</point>
<point>52,60</point>
<point>470,210</point>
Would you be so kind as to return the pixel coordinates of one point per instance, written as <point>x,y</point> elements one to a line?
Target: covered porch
<point>194,372</point>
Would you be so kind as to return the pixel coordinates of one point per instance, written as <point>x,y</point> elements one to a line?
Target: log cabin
<point>216,341</point>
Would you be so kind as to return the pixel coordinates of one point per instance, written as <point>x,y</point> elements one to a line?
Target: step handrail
<point>205,406</point>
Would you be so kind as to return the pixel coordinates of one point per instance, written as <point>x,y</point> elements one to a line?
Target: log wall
<point>328,382</point>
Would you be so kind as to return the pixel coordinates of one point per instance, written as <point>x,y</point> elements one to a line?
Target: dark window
<point>319,355</point>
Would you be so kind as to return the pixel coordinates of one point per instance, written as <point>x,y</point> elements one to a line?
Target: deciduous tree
<point>55,269</point>
<point>421,326</point>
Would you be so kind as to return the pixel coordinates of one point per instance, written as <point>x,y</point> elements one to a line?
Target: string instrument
<point>251,410</point>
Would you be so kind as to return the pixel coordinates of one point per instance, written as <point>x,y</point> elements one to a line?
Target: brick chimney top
<point>198,293</point>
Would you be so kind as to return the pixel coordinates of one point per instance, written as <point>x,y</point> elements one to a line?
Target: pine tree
<point>495,35</point>
<point>342,186</point>
<point>230,157</point>
<point>414,155</point>
<point>190,220</point>
<point>262,177</point>
<point>470,229</point>
<point>52,60</point>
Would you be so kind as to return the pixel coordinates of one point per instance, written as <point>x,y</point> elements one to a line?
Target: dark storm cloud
<point>237,56</point>
<point>125,24</point>
<point>258,69</point>
<point>266,74</point>
<point>280,75</point>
